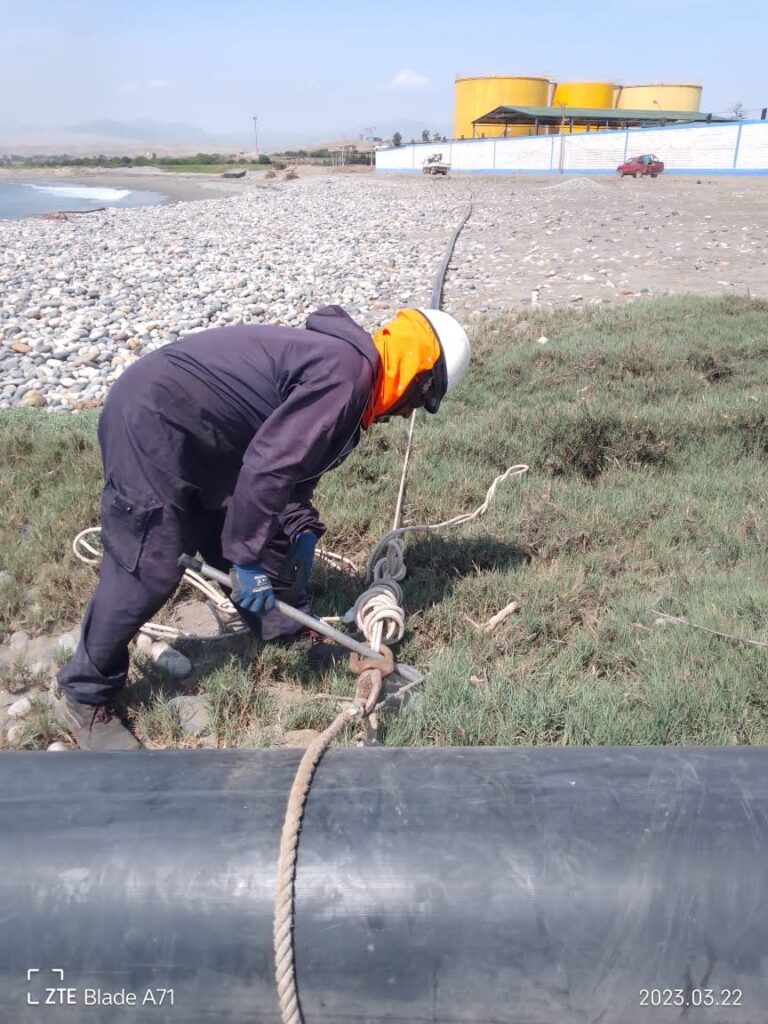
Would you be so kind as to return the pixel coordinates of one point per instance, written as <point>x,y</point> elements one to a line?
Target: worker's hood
<point>338,323</point>
<point>412,373</point>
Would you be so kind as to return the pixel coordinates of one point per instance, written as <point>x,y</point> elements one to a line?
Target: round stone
<point>20,708</point>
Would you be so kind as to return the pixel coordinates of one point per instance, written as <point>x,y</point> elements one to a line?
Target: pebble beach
<point>84,296</point>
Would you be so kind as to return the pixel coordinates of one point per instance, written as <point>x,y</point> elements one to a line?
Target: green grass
<point>50,483</point>
<point>208,168</point>
<point>646,430</point>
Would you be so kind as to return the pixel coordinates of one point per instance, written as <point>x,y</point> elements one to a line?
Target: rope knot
<point>391,565</point>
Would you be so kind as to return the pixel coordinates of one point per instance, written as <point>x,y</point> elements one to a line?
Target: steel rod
<point>286,609</point>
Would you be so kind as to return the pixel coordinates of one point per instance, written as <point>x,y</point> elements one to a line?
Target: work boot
<point>94,726</point>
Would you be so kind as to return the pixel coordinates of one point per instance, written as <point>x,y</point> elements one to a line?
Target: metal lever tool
<point>199,566</point>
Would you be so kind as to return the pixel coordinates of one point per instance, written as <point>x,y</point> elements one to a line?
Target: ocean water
<point>23,199</point>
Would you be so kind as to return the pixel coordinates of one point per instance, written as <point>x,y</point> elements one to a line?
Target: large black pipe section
<point>534,886</point>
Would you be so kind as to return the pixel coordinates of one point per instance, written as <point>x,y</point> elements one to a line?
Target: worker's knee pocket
<point>124,524</point>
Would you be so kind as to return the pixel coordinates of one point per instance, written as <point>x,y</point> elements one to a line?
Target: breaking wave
<point>97,195</point>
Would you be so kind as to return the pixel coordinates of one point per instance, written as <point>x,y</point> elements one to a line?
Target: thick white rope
<point>381,617</point>
<point>80,545</point>
<point>403,475</point>
<point>379,614</point>
<point>330,556</point>
<point>285,965</point>
<point>86,552</point>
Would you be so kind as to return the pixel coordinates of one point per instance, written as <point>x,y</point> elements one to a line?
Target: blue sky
<point>338,65</point>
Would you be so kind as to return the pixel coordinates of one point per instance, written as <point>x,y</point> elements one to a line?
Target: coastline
<point>177,187</point>
<point>85,297</point>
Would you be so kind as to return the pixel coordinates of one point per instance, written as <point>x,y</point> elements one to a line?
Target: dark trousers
<point>139,573</point>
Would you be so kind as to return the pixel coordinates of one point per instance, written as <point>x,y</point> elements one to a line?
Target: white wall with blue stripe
<point>737,148</point>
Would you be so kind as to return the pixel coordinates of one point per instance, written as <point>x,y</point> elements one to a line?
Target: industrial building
<point>505,124</point>
<point>477,99</point>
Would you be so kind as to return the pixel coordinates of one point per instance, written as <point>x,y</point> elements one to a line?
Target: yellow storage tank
<point>659,97</point>
<point>583,94</point>
<point>474,97</point>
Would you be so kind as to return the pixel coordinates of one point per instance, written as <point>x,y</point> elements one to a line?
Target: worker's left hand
<point>298,562</point>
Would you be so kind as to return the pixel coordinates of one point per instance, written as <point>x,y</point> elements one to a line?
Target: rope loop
<point>381,605</point>
<point>391,565</point>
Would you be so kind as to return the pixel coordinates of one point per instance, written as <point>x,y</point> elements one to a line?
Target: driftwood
<point>66,214</point>
<point>495,620</point>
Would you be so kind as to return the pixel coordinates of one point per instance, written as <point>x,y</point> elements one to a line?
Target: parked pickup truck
<point>642,165</point>
<point>434,165</point>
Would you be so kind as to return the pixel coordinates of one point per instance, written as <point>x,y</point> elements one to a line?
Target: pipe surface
<point>534,886</point>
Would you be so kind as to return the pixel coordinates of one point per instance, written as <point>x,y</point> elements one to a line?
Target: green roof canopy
<point>594,116</point>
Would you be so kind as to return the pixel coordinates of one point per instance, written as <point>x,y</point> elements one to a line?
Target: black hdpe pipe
<point>534,886</point>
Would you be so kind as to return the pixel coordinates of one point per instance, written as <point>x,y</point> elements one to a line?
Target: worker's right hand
<point>251,589</point>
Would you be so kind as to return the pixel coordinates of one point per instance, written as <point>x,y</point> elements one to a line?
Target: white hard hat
<point>454,343</point>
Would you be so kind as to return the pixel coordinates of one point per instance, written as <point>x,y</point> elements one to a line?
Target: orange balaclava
<point>407,346</point>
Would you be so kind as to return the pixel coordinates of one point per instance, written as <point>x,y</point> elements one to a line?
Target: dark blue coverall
<point>214,443</point>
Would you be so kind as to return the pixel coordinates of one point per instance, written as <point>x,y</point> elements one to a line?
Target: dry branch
<point>495,620</point>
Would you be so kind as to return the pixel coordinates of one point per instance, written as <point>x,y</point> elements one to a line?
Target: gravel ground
<point>81,298</point>
<point>582,240</point>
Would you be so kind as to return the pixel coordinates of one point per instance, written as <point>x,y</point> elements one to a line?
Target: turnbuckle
<point>370,674</point>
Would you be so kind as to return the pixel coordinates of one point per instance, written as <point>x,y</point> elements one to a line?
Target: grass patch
<point>207,168</point>
<point>50,484</point>
<point>646,429</point>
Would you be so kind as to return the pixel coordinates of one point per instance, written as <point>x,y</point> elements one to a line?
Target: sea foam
<point>96,195</point>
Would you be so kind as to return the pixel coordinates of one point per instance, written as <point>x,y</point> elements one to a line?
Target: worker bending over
<point>214,443</point>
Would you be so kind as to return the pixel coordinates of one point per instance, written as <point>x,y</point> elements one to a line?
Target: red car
<point>642,165</point>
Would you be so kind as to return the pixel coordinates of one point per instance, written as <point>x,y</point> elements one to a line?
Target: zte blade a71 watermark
<point>49,988</point>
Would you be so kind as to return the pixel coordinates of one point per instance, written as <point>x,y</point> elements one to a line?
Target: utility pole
<point>256,135</point>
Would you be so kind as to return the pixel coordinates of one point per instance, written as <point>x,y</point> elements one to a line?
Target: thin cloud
<point>409,80</point>
<point>144,84</point>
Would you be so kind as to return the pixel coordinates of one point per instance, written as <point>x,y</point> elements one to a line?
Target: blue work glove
<point>251,589</point>
<point>298,562</point>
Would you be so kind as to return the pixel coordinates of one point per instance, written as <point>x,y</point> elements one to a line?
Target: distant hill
<point>143,129</point>
<point>112,138</point>
<point>144,136</point>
